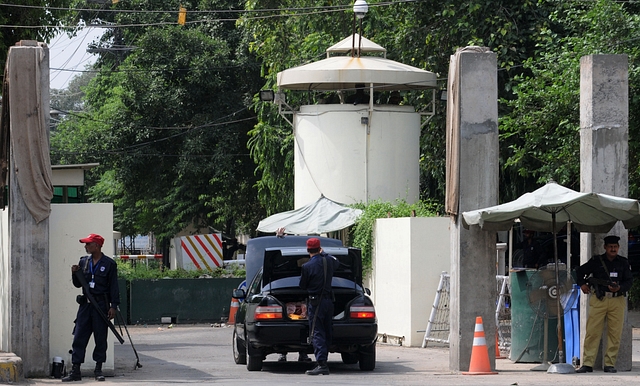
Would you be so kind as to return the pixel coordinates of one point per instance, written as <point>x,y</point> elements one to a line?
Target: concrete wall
<point>68,224</point>
<point>410,254</point>
<point>335,156</point>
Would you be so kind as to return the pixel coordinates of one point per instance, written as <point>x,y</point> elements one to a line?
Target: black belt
<point>614,294</point>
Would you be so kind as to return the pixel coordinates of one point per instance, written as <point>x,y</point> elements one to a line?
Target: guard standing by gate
<point>101,273</point>
<point>316,277</point>
<point>610,277</point>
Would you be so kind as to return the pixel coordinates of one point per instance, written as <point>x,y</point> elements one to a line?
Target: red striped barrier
<point>140,257</point>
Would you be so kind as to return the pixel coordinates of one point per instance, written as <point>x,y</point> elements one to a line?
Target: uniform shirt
<point>105,277</point>
<point>313,279</point>
<point>619,271</point>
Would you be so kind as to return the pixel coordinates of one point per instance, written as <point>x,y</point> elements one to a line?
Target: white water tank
<point>363,152</point>
<point>341,156</point>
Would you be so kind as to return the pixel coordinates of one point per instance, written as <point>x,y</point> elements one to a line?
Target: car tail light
<point>268,312</point>
<point>362,312</point>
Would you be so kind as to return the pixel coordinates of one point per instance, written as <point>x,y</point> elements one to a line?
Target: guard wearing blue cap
<point>607,278</point>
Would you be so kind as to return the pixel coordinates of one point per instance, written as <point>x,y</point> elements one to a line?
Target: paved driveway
<point>201,354</point>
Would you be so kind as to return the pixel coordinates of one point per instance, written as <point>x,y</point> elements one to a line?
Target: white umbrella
<point>542,209</point>
<point>321,216</point>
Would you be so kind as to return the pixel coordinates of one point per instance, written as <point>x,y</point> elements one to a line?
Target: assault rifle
<point>83,282</point>
<point>596,283</point>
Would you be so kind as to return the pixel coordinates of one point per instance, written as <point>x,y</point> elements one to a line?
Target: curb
<point>10,368</point>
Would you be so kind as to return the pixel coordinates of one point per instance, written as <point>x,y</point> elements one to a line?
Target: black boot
<point>98,372</point>
<point>74,375</point>
<point>321,369</point>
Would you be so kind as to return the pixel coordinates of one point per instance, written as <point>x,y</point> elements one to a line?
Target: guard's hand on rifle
<point>614,287</point>
<point>111,313</point>
<point>75,268</point>
<point>585,289</point>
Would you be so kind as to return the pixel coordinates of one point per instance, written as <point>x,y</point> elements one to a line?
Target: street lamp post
<point>360,9</point>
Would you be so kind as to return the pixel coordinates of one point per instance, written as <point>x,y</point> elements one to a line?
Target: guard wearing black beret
<point>607,278</point>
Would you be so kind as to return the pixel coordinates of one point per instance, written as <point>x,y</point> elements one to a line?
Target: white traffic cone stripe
<point>479,341</point>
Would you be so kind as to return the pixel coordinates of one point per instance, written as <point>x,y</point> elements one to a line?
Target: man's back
<point>313,275</point>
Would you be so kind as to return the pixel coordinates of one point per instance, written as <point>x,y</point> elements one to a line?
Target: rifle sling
<point>315,314</point>
<point>92,300</point>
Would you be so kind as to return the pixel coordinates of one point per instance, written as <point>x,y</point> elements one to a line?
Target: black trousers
<point>323,331</point>
<point>88,322</point>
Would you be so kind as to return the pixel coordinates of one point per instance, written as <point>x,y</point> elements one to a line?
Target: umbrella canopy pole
<point>560,313</point>
<point>561,367</point>
<point>510,250</point>
<point>569,234</point>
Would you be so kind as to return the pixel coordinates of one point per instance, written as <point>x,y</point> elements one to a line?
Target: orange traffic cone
<point>235,304</point>
<point>498,353</point>
<point>479,354</point>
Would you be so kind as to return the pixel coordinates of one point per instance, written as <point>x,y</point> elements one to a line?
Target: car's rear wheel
<point>254,362</point>
<point>367,357</point>
<point>349,358</point>
<point>239,352</point>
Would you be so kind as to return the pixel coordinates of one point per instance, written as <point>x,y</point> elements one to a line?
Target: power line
<point>305,12</point>
<point>137,154</point>
<point>214,123</point>
<point>142,11</point>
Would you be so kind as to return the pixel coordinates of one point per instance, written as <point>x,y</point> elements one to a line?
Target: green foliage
<point>138,271</point>
<point>361,233</point>
<point>539,134</point>
<point>72,98</point>
<point>168,122</point>
<point>14,14</point>
<point>423,34</point>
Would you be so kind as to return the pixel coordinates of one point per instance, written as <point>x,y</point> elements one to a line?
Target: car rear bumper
<point>294,335</point>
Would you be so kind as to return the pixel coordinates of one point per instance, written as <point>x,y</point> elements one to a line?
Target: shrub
<point>362,230</point>
<point>130,270</point>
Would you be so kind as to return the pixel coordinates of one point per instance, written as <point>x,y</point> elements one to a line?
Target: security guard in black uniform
<point>316,279</point>
<point>101,273</point>
<point>607,278</point>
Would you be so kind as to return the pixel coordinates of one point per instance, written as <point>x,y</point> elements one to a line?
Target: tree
<point>539,135</point>
<point>168,124</point>
<point>71,98</point>
<point>538,46</point>
<point>29,20</point>
<point>423,34</point>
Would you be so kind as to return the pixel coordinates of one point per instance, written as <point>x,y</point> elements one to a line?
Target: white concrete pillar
<point>472,144</point>
<point>604,159</point>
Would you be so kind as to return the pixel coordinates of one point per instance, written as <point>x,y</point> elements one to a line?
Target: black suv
<point>272,316</point>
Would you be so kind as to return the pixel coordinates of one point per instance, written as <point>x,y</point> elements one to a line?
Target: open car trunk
<point>295,302</point>
<point>283,268</point>
<point>280,263</point>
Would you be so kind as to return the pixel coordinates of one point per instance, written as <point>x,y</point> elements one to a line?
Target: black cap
<point>611,240</point>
